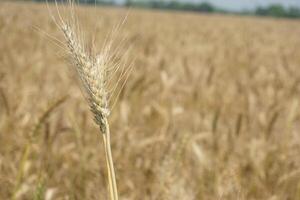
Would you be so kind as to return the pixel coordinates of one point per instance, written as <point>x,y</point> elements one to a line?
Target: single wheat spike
<point>93,72</point>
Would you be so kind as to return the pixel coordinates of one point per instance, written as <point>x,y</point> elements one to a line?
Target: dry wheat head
<point>92,71</point>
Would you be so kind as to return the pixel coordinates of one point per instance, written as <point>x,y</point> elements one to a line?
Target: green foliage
<point>277,10</point>
<point>293,12</point>
<point>172,5</point>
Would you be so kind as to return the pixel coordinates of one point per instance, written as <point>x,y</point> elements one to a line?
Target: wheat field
<point>211,109</point>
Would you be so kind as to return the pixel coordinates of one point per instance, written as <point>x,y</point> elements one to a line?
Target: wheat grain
<point>93,73</point>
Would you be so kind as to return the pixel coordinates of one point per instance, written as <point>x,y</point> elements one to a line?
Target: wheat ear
<point>93,71</point>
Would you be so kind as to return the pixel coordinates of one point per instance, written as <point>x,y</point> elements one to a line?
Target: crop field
<point>211,109</point>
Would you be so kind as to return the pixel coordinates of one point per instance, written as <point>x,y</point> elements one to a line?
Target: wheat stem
<point>110,165</point>
<point>93,73</point>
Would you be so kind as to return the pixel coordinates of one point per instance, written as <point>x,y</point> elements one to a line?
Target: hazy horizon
<point>240,4</point>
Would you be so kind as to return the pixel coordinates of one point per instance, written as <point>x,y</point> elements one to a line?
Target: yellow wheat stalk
<point>93,71</point>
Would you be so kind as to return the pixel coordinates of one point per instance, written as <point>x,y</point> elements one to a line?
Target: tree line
<point>274,10</point>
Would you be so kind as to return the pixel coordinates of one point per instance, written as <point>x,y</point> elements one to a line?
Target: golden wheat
<point>93,73</point>
<point>210,112</point>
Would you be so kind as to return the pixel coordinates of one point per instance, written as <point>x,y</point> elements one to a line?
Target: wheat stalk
<point>93,73</point>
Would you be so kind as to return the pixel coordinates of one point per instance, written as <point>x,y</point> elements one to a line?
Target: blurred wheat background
<point>210,111</point>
